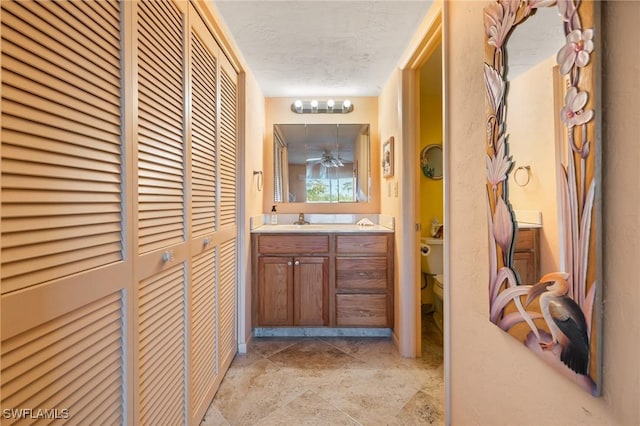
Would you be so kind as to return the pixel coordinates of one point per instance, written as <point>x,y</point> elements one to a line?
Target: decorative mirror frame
<point>433,169</point>
<point>574,292</point>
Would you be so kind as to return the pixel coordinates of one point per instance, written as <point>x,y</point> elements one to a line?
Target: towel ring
<point>260,181</point>
<point>522,181</point>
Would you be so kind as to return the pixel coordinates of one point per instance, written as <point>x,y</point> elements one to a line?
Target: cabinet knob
<point>206,241</point>
<point>362,274</point>
<point>289,263</point>
<point>167,256</point>
<point>297,263</point>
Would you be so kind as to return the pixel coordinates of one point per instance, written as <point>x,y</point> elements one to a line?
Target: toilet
<point>432,264</point>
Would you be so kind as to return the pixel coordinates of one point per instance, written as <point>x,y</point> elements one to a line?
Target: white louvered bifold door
<point>64,276</point>
<point>161,265</point>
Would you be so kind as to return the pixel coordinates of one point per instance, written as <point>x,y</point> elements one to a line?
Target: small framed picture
<point>387,158</point>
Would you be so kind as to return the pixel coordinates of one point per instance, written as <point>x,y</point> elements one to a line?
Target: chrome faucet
<point>301,220</point>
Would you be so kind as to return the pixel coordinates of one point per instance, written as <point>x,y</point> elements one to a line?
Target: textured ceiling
<point>322,48</point>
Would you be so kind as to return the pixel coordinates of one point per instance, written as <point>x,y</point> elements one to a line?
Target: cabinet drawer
<point>361,310</point>
<point>361,273</point>
<point>364,244</point>
<point>293,244</point>
<point>525,239</point>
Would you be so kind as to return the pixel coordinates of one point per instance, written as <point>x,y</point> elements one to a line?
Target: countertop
<point>524,225</point>
<point>320,228</point>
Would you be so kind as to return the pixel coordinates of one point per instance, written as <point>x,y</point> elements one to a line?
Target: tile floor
<point>332,381</point>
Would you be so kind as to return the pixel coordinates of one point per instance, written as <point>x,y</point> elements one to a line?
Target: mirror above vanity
<point>321,163</point>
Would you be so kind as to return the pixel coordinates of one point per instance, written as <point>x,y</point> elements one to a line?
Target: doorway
<point>430,203</point>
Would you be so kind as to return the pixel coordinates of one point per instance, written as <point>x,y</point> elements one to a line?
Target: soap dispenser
<point>274,216</point>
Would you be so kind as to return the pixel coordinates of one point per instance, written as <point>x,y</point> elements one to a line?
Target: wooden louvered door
<point>204,372</point>
<point>64,273</point>
<point>228,227</point>
<point>161,264</point>
<point>118,215</point>
<point>187,231</point>
<point>212,171</point>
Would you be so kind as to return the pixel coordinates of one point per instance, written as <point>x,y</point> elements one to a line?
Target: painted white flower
<point>499,18</point>
<point>494,86</point>
<point>503,225</point>
<point>572,113</point>
<point>497,167</point>
<point>576,51</point>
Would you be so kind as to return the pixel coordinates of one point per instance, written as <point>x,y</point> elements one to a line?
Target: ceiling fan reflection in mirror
<point>327,160</point>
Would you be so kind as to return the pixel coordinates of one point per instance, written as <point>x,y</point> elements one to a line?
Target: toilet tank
<point>433,262</point>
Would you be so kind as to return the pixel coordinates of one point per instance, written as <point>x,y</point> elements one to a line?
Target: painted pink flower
<point>494,87</point>
<point>497,167</point>
<point>572,113</point>
<point>499,18</point>
<point>576,51</point>
<point>502,225</point>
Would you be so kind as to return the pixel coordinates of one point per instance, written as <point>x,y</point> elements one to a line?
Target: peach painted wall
<point>531,102</point>
<point>254,135</point>
<point>495,380</point>
<point>278,111</point>
<point>389,202</point>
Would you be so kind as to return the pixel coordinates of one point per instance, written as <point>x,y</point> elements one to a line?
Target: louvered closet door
<point>64,277</point>
<point>161,265</point>
<point>228,216</point>
<point>213,169</point>
<point>204,374</point>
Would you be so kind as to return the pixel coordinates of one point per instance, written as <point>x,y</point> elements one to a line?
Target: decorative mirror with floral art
<point>558,317</point>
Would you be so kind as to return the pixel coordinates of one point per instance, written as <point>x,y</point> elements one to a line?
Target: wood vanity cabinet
<point>335,280</point>
<point>526,256</point>
<point>292,280</point>
<point>364,281</point>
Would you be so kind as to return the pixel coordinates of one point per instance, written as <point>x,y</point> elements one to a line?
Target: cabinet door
<point>525,263</point>
<point>311,291</point>
<point>275,291</point>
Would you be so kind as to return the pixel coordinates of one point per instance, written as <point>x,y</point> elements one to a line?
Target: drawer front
<point>364,244</point>
<point>525,239</point>
<point>361,273</point>
<point>293,244</point>
<point>361,310</point>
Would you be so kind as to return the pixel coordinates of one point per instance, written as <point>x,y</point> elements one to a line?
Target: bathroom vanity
<point>322,276</point>
<point>526,255</point>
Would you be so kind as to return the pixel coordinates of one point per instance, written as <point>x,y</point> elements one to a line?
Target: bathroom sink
<point>322,227</point>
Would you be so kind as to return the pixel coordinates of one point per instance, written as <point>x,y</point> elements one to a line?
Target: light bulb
<point>346,104</point>
<point>314,104</point>
<point>330,103</point>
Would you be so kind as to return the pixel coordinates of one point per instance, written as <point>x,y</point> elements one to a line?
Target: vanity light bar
<point>322,107</point>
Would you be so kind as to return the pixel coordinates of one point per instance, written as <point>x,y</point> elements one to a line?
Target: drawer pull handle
<point>289,263</point>
<point>297,263</point>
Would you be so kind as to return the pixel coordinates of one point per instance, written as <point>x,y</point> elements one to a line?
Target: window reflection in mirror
<point>321,163</point>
